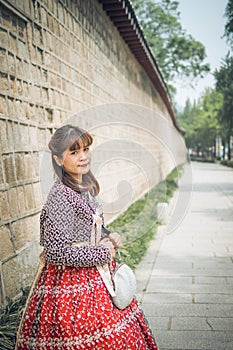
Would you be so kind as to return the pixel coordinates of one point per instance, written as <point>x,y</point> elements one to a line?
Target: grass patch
<point>137,225</point>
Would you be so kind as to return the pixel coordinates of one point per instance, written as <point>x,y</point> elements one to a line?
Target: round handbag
<point>125,285</point>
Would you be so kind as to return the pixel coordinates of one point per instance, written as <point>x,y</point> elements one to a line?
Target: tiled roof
<point>123,16</point>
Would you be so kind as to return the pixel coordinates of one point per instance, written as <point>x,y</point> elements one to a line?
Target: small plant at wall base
<point>9,319</point>
<point>137,230</point>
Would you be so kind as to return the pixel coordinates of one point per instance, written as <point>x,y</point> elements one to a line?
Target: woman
<point>69,306</point>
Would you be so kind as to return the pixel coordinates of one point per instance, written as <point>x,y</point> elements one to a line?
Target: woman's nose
<point>82,155</point>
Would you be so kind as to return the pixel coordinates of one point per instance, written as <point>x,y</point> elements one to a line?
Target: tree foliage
<point>224,84</point>
<point>187,121</point>
<point>229,24</point>
<point>201,121</point>
<point>176,52</point>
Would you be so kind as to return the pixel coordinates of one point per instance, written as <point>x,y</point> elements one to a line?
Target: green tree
<point>187,121</point>
<point>176,52</point>
<point>224,84</point>
<point>229,24</point>
<point>209,126</point>
<point>201,122</point>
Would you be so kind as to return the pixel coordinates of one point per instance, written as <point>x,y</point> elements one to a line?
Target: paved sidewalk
<point>185,282</point>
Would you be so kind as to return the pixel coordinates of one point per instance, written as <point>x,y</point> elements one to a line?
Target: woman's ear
<point>58,160</point>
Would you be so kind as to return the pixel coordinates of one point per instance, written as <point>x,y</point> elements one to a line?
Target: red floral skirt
<point>70,309</point>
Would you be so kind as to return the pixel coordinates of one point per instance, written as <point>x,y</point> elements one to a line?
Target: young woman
<point>69,307</point>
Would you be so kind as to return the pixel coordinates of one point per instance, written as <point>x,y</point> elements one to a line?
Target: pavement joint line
<point>207,321</point>
<point>169,326</point>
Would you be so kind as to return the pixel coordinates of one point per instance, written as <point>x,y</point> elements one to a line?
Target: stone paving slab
<point>167,298</point>
<point>180,286</point>
<point>186,279</point>
<point>212,298</point>
<point>190,324</point>
<point>206,272</point>
<point>192,340</point>
<point>181,298</point>
<point>183,310</point>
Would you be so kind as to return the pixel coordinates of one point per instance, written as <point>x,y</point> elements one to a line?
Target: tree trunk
<point>224,149</point>
<point>229,148</point>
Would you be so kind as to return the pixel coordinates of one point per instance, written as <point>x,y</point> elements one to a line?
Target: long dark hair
<point>70,137</point>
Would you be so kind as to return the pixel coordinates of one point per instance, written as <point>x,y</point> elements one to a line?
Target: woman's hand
<point>115,238</point>
<point>108,243</point>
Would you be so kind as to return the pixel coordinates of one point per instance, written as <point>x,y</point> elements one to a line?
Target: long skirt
<point>71,309</point>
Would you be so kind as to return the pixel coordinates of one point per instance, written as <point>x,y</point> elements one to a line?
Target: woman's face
<point>77,162</point>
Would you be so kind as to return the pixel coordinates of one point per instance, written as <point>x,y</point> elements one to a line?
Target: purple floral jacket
<point>66,219</point>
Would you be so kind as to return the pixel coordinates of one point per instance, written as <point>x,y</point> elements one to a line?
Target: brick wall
<point>58,58</point>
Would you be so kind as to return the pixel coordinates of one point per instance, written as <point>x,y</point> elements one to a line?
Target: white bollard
<point>162,213</point>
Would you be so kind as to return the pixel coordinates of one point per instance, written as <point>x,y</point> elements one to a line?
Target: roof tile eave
<point>125,20</point>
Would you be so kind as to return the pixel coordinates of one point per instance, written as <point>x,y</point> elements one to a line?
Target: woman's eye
<point>85,149</point>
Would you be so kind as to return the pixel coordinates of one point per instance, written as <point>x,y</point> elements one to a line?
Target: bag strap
<point>106,277</point>
<point>96,229</point>
<point>103,269</point>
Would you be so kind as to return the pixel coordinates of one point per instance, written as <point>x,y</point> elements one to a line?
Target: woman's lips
<point>83,165</point>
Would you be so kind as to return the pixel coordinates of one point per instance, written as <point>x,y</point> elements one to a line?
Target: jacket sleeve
<point>58,229</point>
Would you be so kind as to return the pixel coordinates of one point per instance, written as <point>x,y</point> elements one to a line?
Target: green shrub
<point>227,162</point>
<point>203,160</point>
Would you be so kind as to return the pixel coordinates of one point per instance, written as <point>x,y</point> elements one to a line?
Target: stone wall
<point>60,58</point>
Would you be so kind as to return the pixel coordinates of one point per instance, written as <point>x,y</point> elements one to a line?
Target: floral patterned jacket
<point>66,219</point>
